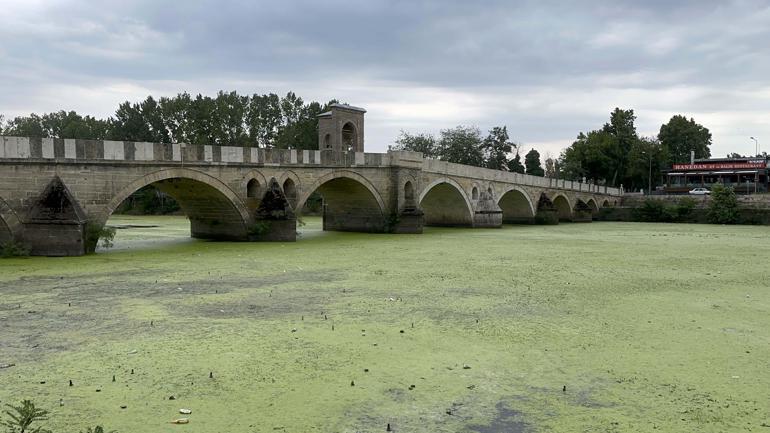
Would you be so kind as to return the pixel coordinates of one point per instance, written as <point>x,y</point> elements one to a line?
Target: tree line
<point>615,154</point>
<point>466,145</point>
<point>226,119</point>
<point>612,155</point>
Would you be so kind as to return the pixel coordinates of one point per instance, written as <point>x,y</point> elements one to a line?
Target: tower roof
<point>341,107</point>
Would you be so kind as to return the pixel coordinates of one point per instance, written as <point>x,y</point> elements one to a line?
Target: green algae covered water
<point>605,327</point>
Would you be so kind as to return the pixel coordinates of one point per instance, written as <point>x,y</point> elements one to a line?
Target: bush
<point>13,249</point>
<point>654,211</point>
<point>19,419</point>
<point>723,206</point>
<point>683,209</point>
<point>96,232</point>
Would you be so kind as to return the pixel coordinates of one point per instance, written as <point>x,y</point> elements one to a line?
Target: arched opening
<point>489,191</point>
<point>516,207</point>
<point>594,208</point>
<point>290,191</point>
<point>327,141</point>
<point>563,208</point>
<point>208,209</point>
<point>408,191</point>
<point>475,193</point>
<point>349,138</point>
<point>445,205</point>
<point>349,203</point>
<point>252,189</point>
<point>606,203</point>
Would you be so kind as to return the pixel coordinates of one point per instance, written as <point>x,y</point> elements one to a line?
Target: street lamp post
<point>756,176</point>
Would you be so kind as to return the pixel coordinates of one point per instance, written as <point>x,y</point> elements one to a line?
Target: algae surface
<point>650,327</point>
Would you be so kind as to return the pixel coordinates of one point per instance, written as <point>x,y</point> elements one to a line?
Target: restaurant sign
<point>720,165</point>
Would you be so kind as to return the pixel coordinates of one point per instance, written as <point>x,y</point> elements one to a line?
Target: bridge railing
<point>70,150</point>
<point>76,150</point>
<point>448,168</point>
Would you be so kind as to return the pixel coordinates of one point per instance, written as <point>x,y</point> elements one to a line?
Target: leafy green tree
<point>551,168</point>
<point>19,419</point>
<point>423,143</point>
<point>646,158</point>
<point>176,117</point>
<point>496,148</point>
<point>623,132</point>
<point>302,131</point>
<point>263,119</point>
<point>515,165</point>
<point>461,145</point>
<point>680,136</point>
<point>532,163</point>
<point>723,205</point>
<point>603,155</point>
<point>230,109</point>
<point>26,126</point>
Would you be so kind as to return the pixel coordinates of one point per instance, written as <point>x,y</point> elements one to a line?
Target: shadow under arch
<point>563,207</point>
<point>444,203</point>
<point>350,203</point>
<point>517,207</point>
<point>592,204</point>
<point>214,210</point>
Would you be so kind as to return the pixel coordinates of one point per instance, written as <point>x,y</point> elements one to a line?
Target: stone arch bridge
<point>56,194</point>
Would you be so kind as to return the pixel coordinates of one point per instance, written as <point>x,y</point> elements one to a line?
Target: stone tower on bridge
<point>341,129</point>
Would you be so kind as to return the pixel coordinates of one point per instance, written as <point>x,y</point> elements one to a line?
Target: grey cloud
<point>487,50</point>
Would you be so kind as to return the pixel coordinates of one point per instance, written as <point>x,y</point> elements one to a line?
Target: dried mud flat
<point>592,327</point>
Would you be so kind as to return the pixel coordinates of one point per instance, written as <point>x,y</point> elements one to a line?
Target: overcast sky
<point>547,70</point>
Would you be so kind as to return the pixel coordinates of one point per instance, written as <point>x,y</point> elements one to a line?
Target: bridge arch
<point>445,203</point>
<point>253,184</point>
<point>594,207</point>
<point>350,202</point>
<point>290,185</point>
<point>517,206</point>
<point>563,207</point>
<point>215,211</point>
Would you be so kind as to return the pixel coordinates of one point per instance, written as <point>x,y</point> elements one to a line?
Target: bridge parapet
<point>72,150</point>
<point>460,170</point>
<point>77,151</point>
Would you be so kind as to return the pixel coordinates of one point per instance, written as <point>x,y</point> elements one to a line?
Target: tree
<point>423,143</point>
<point>302,132</point>
<point>515,165</point>
<point>551,167</point>
<point>496,148</point>
<point>604,154</point>
<point>26,126</point>
<point>263,119</point>
<point>646,158</point>
<point>532,163</point>
<point>680,136</point>
<point>623,132</point>
<point>461,145</point>
<point>723,206</point>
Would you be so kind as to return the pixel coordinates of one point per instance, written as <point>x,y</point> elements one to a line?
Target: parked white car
<point>700,191</point>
